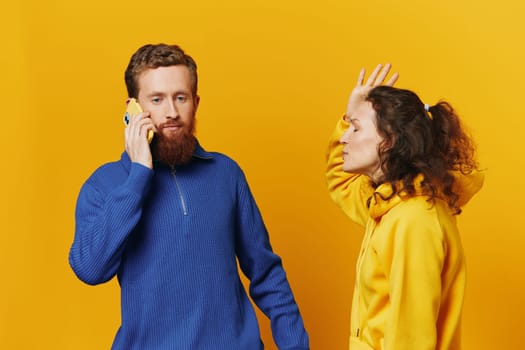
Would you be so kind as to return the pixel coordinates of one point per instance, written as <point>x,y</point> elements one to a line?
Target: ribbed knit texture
<point>172,238</point>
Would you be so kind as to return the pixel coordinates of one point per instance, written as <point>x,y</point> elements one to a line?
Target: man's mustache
<point>171,123</point>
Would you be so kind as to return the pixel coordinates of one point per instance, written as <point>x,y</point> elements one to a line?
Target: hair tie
<point>427,109</point>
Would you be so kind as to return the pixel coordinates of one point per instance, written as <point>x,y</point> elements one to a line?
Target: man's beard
<point>174,149</point>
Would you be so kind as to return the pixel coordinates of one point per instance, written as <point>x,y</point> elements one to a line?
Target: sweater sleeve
<point>269,287</point>
<point>104,218</point>
<point>413,258</point>
<point>349,191</point>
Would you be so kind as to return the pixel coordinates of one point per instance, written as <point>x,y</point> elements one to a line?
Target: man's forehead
<point>165,80</point>
<point>165,72</point>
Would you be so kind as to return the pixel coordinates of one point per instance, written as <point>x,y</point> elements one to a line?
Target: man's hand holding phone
<point>138,133</point>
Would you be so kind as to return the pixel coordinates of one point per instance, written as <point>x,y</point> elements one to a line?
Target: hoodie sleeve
<point>413,255</point>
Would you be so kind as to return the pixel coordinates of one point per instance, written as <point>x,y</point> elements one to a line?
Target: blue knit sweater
<point>172,237</point>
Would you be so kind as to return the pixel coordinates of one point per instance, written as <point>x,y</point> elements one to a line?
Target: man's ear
<point>196,101</point>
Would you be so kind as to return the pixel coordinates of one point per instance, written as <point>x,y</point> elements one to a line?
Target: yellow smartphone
<point>133,108</point>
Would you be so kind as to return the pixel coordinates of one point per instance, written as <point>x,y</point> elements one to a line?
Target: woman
<point>403,170</point>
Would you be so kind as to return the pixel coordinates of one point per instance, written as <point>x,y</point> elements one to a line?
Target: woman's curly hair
<point>419,139</point>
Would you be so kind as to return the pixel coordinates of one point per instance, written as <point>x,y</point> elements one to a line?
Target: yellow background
<point>274,77</point>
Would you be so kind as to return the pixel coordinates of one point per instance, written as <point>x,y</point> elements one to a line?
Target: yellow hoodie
<point>410,274</point>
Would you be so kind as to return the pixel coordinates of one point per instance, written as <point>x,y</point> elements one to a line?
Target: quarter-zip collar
<point>199,153</point>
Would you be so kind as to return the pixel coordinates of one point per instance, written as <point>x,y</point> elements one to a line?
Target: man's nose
<point>172,111</point>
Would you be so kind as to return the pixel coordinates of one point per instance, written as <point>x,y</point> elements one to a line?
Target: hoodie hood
<point>381,201</point>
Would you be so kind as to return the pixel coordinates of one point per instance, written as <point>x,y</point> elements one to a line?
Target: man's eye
<point>181,98</point>
<point>155,100</point>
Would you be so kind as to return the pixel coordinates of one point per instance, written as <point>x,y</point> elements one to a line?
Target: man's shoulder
<point>216,158</point>
<point>109,172</point>
<point>223,159</point>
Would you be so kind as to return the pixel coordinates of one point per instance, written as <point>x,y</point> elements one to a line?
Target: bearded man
<point>171,220</point>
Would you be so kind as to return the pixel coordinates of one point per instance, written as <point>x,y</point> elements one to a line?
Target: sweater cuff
<point>139,179</point>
